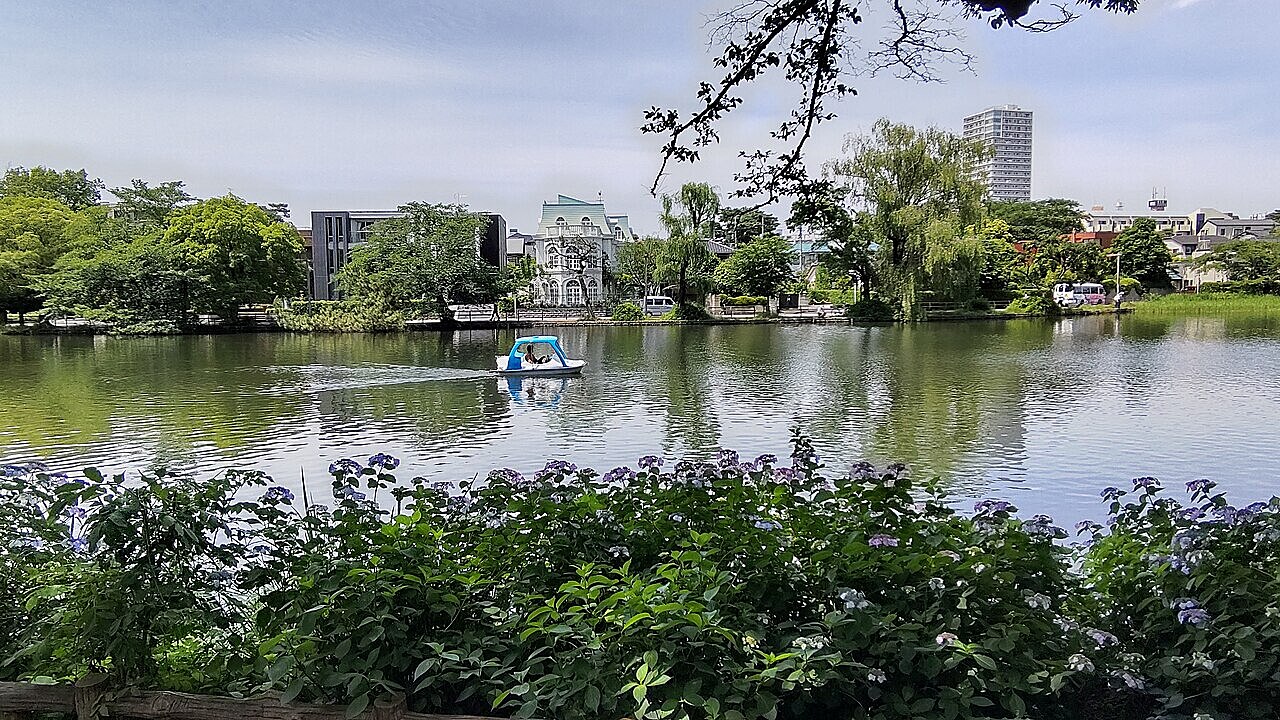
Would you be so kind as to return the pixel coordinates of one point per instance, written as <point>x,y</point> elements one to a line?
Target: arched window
<point>572,292</point>
<point>593,289</point>
<point>545,293</point>
<point>553,294</point>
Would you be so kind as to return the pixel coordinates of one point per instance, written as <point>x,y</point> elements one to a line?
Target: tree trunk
<point>4,316</point>
<point>683,291</point>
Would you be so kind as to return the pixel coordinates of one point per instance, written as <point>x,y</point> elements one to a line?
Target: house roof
<point>718,248</point>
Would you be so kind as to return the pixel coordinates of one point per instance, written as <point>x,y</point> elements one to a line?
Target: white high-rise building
<point>1007,130</point>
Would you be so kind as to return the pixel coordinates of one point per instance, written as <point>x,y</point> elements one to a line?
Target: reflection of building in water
<point>531,392</point>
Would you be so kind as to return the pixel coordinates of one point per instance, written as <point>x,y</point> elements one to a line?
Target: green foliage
<point>684,260</point>
<point>871,309</point>
<point>922,193</point>
<point>337,316</point>
<point>832,297</point>
<point>739,226</point>
<point>1038,302</point>
<point>1244,287</point>
<point>236,253</point>
<point>1038,223</point>
<point>728,589</point>
<point>627,312</point>
<point>687,311</point>
<point>761,267</point>
<point>1191,591</point>
<point>743,300</point>
<point>71,188</point>
<point>1208,303</point>
<point>1256,261</point>
<point>427,253</point>
<point>140,284</point>
<point>34,233</point>
<point>147,206</point>
<point>1143,254</point>
<point>636,270</point>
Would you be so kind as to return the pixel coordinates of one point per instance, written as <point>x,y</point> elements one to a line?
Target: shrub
<point>978,305</point>
<point>1245,287</point>
<point>744,300</point>
<point>687,311</point>
<point>337,316</point>
<point>833,297</point>
<point>1034,303</point>
<point>871,310</point>
<point>745,587</point>
<point>627,312</point>
<point>1192,594</point>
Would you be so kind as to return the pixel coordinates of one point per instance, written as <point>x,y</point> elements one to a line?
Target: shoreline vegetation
<point>741,588</point>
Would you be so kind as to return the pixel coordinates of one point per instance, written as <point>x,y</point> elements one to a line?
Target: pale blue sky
<point>329,105</point>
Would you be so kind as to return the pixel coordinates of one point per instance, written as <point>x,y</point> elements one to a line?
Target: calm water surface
<point>1045,413</point>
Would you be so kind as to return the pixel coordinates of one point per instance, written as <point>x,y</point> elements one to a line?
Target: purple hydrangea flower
<point>1190,612</point>
<point>991,507</point>
<point>1102,638</point>
<point>384,461</point>
<point>75,512</point>
<point>863,470</point>
<point>1199,487</point>
<point>560,466</point>
<point>620,475</point>
<point>1111,493</point>
<point>79,544</point>
<point>767,459</point>
<point>650,462</point>
<point>506,475</point>
<point>1148,483</point>
<point>728,458</point>
<point>786,475</point>
<point>13,471</point>
<point>1193,514</point>
<point>345,466</point>
<point>278,494</point>
<point>883,541</point>
<point>945,639</point>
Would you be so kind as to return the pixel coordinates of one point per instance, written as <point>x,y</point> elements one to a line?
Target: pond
<point>1044,413</point>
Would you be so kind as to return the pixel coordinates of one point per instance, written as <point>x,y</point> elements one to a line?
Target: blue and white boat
<point>538,355</point>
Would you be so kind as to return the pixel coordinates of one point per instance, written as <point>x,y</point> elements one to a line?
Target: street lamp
<point>1116,255</point>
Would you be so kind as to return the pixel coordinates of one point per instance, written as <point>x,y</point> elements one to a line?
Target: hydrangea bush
<point>749,587</point>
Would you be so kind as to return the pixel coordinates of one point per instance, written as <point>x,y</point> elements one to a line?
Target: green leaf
<point>591,698</point>
<point>357,706</point>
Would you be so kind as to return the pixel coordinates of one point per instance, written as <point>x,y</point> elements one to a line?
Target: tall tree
<point>1245,260</point>
<point>238,252</point>
<point>919,192</point>
<point>72,188</point>
<point>1035,223</point>
<point>427,253</point>
<point>821,207</point>
<point>638,264</point>
<point>1143,254</point>
<point>685,259</point>
<point>34,233</point>
<point>739,226</point>
<point>761,267</point>
<point>815,45</point>
<point>148,205</point>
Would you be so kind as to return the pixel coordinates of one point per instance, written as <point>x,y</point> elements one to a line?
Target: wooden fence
<point>93,699</point>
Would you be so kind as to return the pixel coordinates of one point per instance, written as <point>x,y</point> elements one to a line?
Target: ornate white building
<point>576,240</point>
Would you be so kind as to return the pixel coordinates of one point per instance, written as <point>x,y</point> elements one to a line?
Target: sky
<point>502,105</point>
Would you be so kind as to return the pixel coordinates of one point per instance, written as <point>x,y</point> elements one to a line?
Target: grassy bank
<point>1208,303</point>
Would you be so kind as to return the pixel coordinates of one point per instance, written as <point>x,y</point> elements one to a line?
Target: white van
<point>1077,294</point>
<point>658,305</point>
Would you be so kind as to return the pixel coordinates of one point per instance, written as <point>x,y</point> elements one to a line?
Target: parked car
<point>658,305</point>
<point>1077,294</point>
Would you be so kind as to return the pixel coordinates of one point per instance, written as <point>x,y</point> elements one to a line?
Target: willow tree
<point>919,193</point>
<point>688,216</point>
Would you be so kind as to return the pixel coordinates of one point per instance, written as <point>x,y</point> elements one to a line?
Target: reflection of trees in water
<point>153,400</point>
<point>681,359</point>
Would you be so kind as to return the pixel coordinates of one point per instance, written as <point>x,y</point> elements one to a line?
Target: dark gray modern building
<point>335,233</point>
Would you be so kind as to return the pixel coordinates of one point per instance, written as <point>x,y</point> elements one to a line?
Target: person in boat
<point>529,357</point>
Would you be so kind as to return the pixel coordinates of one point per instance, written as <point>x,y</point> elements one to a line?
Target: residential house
<point>576,241</point>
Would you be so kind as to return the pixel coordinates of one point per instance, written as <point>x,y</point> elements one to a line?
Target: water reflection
<point>1046,411</point>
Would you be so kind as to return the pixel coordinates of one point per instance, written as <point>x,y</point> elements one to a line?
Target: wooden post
<point>89,695</point>
<point>390,707</point>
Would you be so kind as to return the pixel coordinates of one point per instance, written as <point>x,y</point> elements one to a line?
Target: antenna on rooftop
<point>1158,202</point>
<point>1119,205</point>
